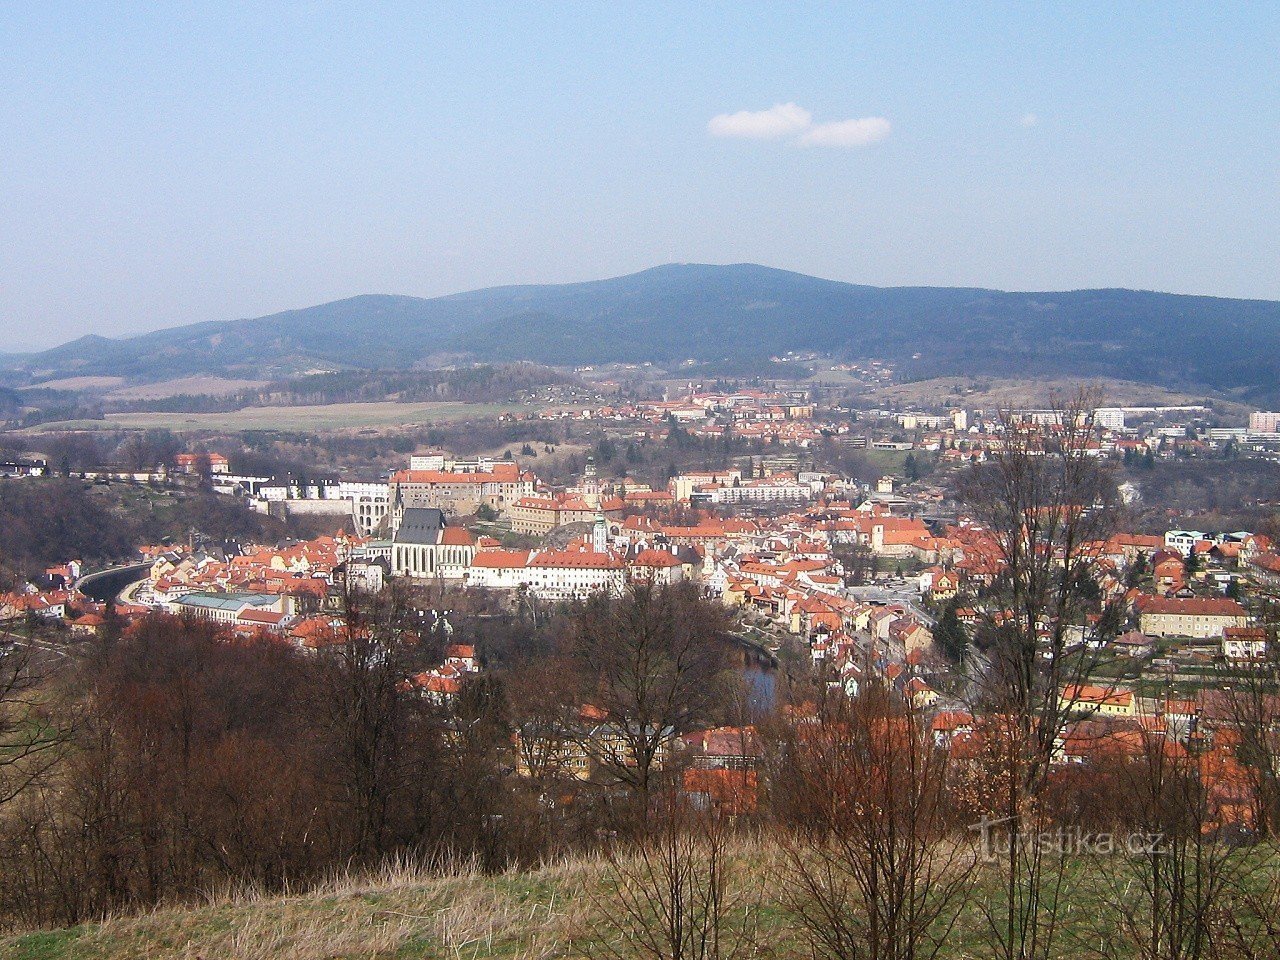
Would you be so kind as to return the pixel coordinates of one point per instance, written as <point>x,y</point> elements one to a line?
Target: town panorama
<point>640,481</point>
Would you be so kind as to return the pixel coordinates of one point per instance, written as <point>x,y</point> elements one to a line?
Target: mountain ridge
<point>740,313</point>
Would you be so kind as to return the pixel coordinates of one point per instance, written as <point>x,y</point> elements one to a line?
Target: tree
<point>1137,570</point>
<point>653,664</point>
<point>869,870</point>
<point>1192,562</point>
<point>28,737</point>
<point>365,715</point>
<point>950,633</point>
<point>857,561</point>
<point>1171,880</point>
<point>544,702</point>
<point>202,467</point>
<point>1047,503</point>
<point>1249,696</point>
<point>682,892</point>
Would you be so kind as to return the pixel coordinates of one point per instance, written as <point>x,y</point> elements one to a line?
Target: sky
<point>171,163</point>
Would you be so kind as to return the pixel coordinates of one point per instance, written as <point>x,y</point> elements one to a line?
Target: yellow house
<point>1105,701</point>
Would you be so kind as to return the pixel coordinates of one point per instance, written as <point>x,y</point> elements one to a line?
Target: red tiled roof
<point>576,560</point>
<point>655,558</point>
<point>501,558</point>
<point>1191,606</point>
<point>456,537</point>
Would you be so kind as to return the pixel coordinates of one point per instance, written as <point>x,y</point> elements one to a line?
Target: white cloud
<point>1029,120</point>
<point>847,133</point>
<point>780,120</point>
<point>791,120</point>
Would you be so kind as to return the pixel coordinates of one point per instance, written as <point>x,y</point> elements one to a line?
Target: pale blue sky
<point>175,162</point>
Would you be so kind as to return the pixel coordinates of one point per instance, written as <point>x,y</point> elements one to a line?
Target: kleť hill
<point>711,314</point>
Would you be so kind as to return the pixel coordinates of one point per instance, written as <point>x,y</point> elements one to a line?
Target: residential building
<point>1244,644</point>
<point>1199,617</point>
<point>1264,421</point>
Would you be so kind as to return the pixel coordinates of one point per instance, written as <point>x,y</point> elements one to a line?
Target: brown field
<point>193,386</point>
<point>329,416</point>
<point>80,383</point>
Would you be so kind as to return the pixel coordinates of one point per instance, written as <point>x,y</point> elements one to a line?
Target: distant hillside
<point>718,313</point>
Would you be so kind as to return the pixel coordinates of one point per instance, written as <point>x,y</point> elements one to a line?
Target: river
<point>106,586</point>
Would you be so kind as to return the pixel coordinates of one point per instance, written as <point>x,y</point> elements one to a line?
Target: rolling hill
<point>740,312</point>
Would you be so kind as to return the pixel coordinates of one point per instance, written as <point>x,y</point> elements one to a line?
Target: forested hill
<point>714,313</point>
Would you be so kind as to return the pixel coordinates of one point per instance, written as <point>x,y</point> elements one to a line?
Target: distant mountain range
<point>741,313</point>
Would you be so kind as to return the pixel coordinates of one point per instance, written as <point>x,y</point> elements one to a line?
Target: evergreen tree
<point>950,633</point>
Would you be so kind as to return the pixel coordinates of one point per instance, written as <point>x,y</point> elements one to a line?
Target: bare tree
<point>654,663</point>
<point>1171,873</point>
<point>1249,928</point>
<point>1250,695</point>
<point>682,892</point>
<point>544,698</point>
<point>364,709</point>
<point>1049,505</point>
<point>872,868</point>
<point>28,737</point>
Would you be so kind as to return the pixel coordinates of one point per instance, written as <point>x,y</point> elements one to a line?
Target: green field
<point>328,416</point>
<point>892,462</point>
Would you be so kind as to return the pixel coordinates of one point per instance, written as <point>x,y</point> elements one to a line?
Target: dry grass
<point>452,912</point>
<point>402,911</point>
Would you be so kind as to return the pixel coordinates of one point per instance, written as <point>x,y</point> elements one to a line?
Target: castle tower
<point>600,534</point>
<point>591,483</point>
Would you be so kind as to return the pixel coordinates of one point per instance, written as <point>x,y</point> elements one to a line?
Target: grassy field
<point>891,462</point>
<point>566,910</point>
<point>328,416</point>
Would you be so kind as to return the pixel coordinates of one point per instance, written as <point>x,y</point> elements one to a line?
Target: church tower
<point>591,483</point>
<point>397,511</point>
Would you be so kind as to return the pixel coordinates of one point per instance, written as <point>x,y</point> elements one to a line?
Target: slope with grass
<point>569,910</point>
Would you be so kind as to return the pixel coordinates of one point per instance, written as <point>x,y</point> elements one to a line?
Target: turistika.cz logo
<point>996,840</point>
